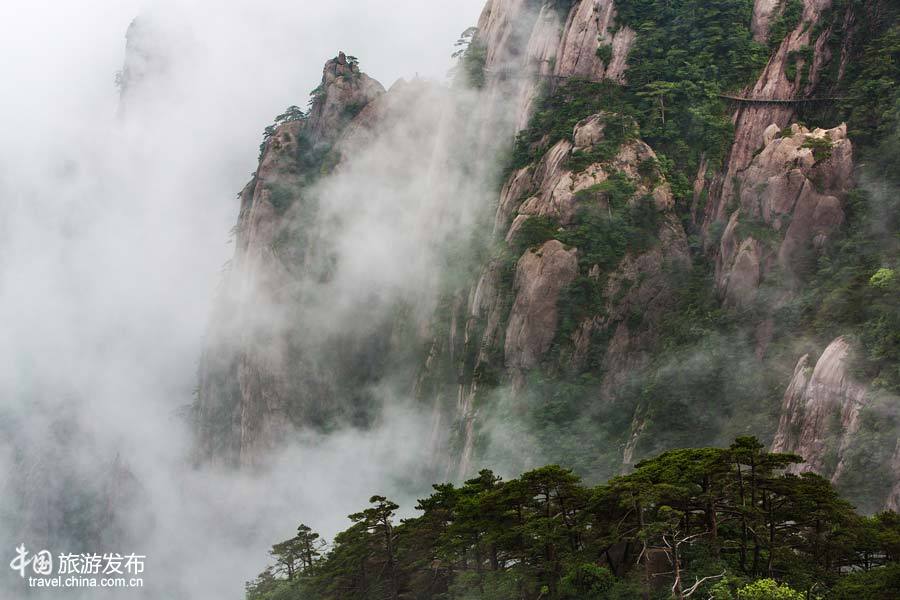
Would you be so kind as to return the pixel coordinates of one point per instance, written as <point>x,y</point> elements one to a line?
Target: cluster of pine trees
<point>715,523</point>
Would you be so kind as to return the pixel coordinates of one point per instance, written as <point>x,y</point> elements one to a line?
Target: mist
<point>113,236</point>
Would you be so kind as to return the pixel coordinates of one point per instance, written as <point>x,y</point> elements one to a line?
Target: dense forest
<point>721,523</point>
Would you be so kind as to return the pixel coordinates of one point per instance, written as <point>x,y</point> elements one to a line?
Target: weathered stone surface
<point>763,13</point>
<point>589,132</point>
<point>540,276</point>
<point>588,22</point>
<point>752,120</point>
<point>344,92</point>
<point>820,411</point>
<point>526,45</point>
<point>743,280</point>
<point>788,205</point>
<point>639,284</point>
<point>245,369</point>
<point>642,284</point>
<point>552,189</point>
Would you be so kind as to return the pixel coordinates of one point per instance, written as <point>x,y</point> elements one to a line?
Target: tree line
<point>721,523</point>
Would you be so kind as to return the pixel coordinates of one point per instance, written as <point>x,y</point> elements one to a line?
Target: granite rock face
<point>527,45</point>
<point>538,304</point>
<point>752,120</point>
<point>541,274</point>
<point>821,420</point>
<point>246,371</point>
<point>517,324</point>
<point>788,204</point>
<point>820,412</point>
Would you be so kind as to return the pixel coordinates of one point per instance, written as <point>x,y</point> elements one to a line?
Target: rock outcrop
<point>793,71</point>
<point>148,58</point>
<point>590,252</point>
<point>515,326</point>
<point>787,203</point>
<point>527,44</point>
<point>250,361</point>
<point>541,274</point>
<point>344,92</point>
<point>820,411</point>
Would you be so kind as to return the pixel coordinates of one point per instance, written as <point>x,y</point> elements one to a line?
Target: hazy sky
<point>113,235</point>
<point>57,59</point>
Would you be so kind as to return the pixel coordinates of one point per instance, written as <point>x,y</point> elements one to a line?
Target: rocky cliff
<point>249,374</point>
<point>631,289</point>
<point>793,71</point>
<point>779,200</point>
<point>786,205</point>
<point>529,43</point>
<point>821,410</point>
<point>554,217</point>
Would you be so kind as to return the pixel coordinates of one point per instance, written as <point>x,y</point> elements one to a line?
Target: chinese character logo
<point>41,563</point>
<point>19,563</point>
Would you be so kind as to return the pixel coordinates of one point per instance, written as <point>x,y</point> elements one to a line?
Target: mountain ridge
<point>628,255</point>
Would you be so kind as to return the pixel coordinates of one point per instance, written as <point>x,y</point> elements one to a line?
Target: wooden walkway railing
<point>785,101</point>
<point>507,73</point>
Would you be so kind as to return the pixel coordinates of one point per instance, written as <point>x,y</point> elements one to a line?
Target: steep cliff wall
<point>559,218</point>
<point>607,300</point>
<point>249,371</point>
<point>780,198</point>
<point>529,44</point>
<point>843,427</point>
<point>794,70</point>
<point>821,410</point>
<point>785,207</point>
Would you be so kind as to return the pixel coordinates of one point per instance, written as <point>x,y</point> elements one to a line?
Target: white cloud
<point>112,238</point>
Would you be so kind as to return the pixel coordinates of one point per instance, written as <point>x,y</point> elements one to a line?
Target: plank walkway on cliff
<point>509,73</point>
<point>787,101</point>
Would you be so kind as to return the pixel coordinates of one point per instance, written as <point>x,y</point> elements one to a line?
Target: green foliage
<point>605,52</point>
<point>617,130</point>
<point>687,52</point>
<point>874,584</point>
<point>707,512</point>
<point>850,289</point>
<point>785,23</point>
<point>472,55</point>
<point>841,297</point>
<point>586,581</point>
<point>821,147</point>
<point>758,230</point>
<point>871,108</point>
<point>799,61</point>
<point>291,113</point>
<point>534,231</point>
<point>280,196</point>
<point>649,170</point>
<point>557,114</point>
<point>563,421</point>
<point>868,474</point>
<point>768,589</point>
<point>605,230</point>
<point>883,278</point>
